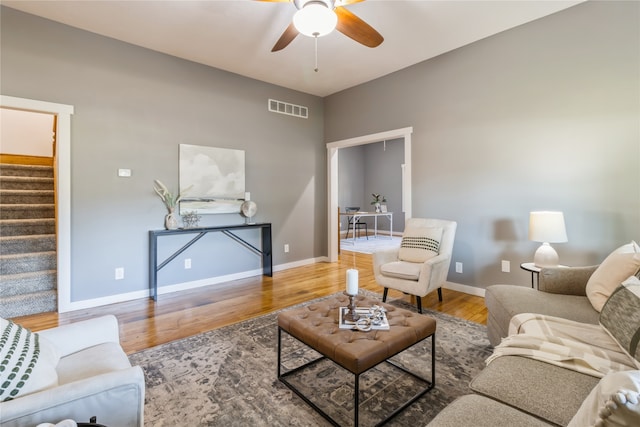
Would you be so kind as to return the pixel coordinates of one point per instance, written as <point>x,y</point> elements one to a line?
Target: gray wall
<point>384,176</point>
<point>351,167</point>
<point>544,116</point>
<point>133,107</point>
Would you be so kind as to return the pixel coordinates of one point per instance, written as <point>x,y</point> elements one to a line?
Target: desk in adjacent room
<point>267,260</point>
<point>357,215</point>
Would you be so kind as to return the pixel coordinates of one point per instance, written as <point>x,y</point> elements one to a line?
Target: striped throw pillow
<point>620,316</point>
<point>27,361</point>
<point>420,244</point>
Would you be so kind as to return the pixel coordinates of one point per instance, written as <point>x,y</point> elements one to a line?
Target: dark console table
<point>227,230</point>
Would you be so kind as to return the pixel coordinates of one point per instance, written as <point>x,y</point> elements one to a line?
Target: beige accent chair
<point>95,379</point>
<point>407,272</point>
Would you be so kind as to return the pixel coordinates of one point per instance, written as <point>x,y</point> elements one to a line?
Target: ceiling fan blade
<point>339,3</point>
<point>352,26</point>
<point>287,37</point>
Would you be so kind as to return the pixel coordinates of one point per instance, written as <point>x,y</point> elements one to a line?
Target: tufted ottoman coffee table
<point>316,325</point>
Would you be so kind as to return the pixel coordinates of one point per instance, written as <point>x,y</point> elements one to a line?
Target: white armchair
<point>421,264</point>
<point>95,379</point>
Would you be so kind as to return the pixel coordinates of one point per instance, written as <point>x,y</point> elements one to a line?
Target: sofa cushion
<point>620,264</point>
<point>420,243</point>
<point>614,401</point>
<point>402,270</point>
<point>620,316</point>
<point>27,361</point>
<point>479,411</point>
<point>546,391</point>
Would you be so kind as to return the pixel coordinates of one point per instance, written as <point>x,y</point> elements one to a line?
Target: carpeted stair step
<point>27,227</point>
<point>27,196</point>
<point>26,304</point>
<point>27,211</point>
<point>25,263</point>
<point>28,260</point>
<point>26,170</point>
<point>26,244</point>
<point>25,183</point>
<point>25,283</point>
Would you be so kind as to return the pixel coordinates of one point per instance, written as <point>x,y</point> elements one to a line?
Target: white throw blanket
<point>581,347</point>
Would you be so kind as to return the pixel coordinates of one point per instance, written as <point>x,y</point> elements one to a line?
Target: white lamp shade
<point>547,226</point>
<point>315,19</point>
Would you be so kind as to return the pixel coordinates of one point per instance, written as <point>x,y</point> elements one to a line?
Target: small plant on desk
<point>377,200</point>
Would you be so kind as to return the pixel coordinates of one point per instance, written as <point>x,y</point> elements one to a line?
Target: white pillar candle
<point>352,281</point>
<point>247,196</point>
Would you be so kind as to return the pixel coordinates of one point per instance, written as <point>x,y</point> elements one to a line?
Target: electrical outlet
<point>458,267</point>
<point>286,248</point>
<point>187,263</point>
<point>506,266</point>
<point>119,273</point>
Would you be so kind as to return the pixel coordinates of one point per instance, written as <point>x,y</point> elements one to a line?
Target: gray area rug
<point>228,377</point>
<point>369,246</point>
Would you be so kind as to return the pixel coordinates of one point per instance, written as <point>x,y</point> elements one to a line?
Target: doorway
<point>332,173</point>
<point>62,166</point>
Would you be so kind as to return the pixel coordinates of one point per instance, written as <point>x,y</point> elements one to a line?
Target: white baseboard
<point>129,296</point>
<point>301,263</point>
<point>471,290</point>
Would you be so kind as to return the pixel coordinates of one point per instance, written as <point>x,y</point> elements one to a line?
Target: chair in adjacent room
<point>359,225</point>
<point>421,263</point>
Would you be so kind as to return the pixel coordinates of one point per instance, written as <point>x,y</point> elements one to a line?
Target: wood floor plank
<point>145,323</point>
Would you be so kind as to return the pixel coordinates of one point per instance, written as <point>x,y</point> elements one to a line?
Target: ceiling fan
<point>316,18</point>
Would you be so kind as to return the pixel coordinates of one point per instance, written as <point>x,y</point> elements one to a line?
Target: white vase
<point>377,205</point>
<point>170,221</point>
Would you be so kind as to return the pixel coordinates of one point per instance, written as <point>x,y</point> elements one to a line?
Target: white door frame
<point>63,186</point>
<point>332,176</point>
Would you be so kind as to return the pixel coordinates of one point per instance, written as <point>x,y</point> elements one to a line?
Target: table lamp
<point>546,227</point>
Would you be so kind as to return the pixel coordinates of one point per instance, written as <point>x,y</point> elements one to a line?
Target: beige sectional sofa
<point>561,292</point>
<point>526,386</point>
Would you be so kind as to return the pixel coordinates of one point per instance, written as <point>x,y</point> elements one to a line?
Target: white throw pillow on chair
<point>420,244</point>
<point>29,361</point>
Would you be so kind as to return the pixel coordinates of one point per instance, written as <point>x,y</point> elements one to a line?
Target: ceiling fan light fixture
<point>315,19</point>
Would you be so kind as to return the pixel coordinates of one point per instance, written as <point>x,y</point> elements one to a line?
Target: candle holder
<point>351,316</point>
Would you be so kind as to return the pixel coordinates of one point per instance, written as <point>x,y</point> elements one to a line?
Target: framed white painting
<point>212,180</point>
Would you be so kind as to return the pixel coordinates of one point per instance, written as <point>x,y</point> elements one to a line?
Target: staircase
<point>28,260</point>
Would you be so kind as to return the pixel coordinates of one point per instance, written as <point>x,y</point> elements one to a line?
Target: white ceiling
<point>237,35</point>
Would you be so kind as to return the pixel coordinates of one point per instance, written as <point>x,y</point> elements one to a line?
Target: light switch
<point>126,173</point>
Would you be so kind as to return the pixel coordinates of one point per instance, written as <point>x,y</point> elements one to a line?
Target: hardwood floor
<point>145,323</point>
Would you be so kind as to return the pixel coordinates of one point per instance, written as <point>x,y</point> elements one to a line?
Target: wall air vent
<point>288,109</point>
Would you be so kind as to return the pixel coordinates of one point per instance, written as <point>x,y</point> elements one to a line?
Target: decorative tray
<point>371,319</point>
